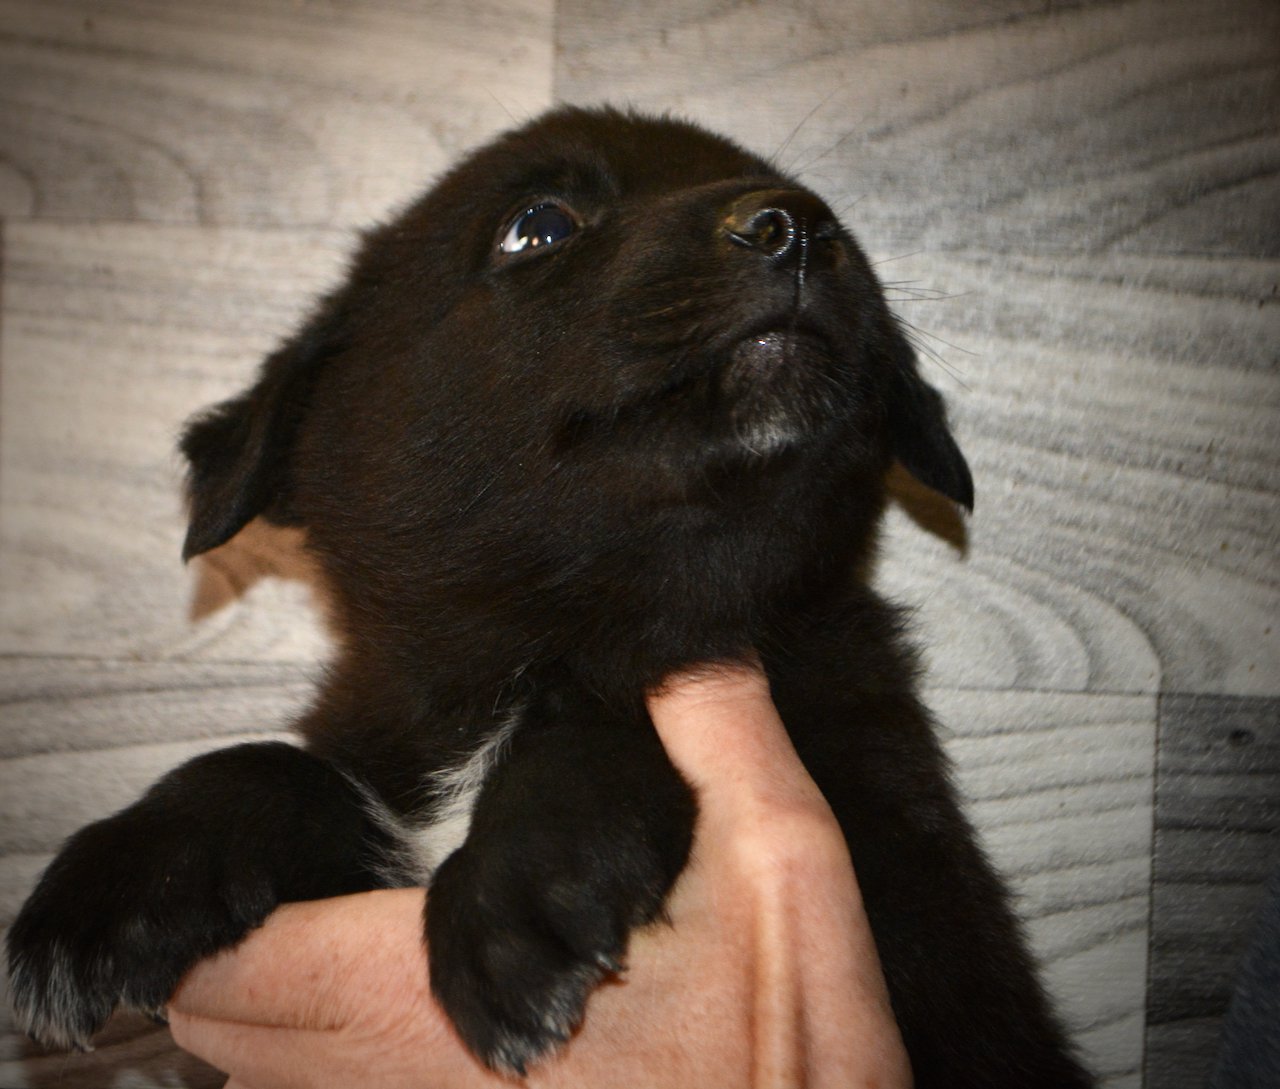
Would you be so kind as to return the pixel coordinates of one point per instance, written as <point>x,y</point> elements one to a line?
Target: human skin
<point>766,976</point>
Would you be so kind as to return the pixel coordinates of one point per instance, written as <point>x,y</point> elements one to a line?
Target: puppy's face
<point>646,288</point>
<point>596,318</point>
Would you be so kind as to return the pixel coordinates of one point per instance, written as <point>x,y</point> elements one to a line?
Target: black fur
<point>538,482</point>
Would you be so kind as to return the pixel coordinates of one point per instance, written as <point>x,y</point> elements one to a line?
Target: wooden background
<point>1078,207</point>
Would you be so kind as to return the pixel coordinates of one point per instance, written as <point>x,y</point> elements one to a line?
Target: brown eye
<point>538,226</point>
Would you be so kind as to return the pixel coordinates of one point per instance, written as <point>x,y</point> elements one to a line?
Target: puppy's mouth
<point>760,357</point>
<point>774,389</point>
<point>752,396</point>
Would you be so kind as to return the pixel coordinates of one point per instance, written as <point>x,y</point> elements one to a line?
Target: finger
<point>264,1058</point>
<point>847,1016</point>
<point>413,1055</point>
<point>722,731</point>
<point>289,973</point>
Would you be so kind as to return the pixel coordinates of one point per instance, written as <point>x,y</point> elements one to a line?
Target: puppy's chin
<point>775,387</point>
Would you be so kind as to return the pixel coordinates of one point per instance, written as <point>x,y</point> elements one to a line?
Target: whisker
<point>798,169</point>
<point>914,338</point>
<point>940,340</point>
<point>899,257</point>
<point>923,294</point>
<point>777,155</point>
<point>848,205</point>
<point>503,106</point>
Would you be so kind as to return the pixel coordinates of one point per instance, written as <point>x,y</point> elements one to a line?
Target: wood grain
<point>131,1053</point>
<point>1122,416</point>
<point>253,111</point>
<point>1150,126</point>
<point>84,738</point>
<point>1061,785</point>
<point>1217,841</point>
<point>112,336</point>
<point>81,739</point>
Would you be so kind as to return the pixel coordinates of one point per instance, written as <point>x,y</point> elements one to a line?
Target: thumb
<point>771,840</point>
<point>722,731</point>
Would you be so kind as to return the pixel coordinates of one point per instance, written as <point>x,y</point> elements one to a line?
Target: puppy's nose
<point>779,223</point>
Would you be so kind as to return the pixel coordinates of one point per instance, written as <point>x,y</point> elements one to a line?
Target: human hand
<point>767,976</point>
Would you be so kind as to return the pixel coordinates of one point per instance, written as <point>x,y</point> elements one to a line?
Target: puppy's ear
<point>238,451</point>
<point>918,428</point>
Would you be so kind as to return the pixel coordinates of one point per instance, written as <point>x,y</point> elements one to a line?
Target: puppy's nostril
<point>781,224</point>
<point>769,230</point>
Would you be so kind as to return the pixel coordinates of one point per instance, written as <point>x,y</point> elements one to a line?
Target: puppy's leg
<point>972,1013</point>
<point>576,838</point>
<point>133,901</point>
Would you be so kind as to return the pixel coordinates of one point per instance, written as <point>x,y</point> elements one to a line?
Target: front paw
<point>519,936</point>
<point>127,906</point>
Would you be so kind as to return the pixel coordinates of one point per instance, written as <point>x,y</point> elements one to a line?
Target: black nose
<point>782,224</point>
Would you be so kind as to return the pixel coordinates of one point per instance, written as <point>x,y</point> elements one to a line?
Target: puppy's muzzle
<point>789,227</point>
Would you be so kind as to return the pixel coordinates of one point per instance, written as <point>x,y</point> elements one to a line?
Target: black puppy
<point>614,397</point>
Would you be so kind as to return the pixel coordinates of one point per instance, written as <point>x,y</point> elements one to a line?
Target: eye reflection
<point>537,227</point>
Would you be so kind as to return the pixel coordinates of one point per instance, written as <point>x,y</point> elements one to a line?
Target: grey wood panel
<point>131,1053</point>
<point>1122,416</point>
<point>1060,786</point>
<point>1149,126</point>
<point>253,111</point>
<point>81,738</point>
<point>112,335</point>
<point>56,706</point>
<point>1217,840</point>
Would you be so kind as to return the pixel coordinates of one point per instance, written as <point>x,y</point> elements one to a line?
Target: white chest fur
<point>419,846</point>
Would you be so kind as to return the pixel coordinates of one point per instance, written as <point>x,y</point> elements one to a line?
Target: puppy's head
<point>598,317</point>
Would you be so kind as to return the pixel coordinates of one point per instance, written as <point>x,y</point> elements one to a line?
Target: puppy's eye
<point>541,225</point>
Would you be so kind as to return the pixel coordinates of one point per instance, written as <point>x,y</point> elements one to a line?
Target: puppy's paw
<point>119,916</point>
<point>518,940</point>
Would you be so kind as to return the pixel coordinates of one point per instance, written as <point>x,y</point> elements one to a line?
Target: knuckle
<point>792,846</point>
